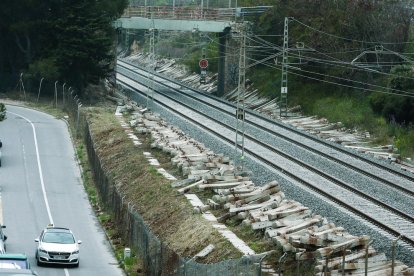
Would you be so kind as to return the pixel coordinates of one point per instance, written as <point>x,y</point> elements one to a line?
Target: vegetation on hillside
<point>349,61</point>
<point>67,40</point>
<point>375,92</point>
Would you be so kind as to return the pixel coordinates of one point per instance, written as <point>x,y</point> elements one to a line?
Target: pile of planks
<point>295,229</point>
<point>334,132</point>
<point>178,71</point>
<point>292,227</point>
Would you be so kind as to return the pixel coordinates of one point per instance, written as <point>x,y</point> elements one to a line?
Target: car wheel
<point>37,260</point>
<point>76,265</point>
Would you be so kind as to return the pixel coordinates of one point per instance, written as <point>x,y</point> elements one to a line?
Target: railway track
<point>385,214</point>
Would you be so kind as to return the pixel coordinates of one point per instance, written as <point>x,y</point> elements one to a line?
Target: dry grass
<point>169,215</point>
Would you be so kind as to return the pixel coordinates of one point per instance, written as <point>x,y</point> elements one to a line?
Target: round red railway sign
<point>203,63</point>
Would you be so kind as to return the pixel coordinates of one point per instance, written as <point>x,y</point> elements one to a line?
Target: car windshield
<point>17,264</point>
<point>58,237</point>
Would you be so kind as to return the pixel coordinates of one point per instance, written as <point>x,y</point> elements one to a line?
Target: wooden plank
<point>300,226</point>
<point>256,196</point>
<point>271,203</point>
<point>280,214</point>
<point>218,186</point>
<point>354,256</point>
<point>358,241</point>
<point>207,250</point>
<point>183,182</point>
<point>334,231</point>
<point>290,220</point>
<point>187,188</point>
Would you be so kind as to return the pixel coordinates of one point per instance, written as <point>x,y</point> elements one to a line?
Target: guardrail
<point>192,13</point>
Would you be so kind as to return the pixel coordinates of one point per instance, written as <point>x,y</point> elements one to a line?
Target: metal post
<point>343,260</point>
<point>151,69</point>
<point>77,119</point>
<point>56,94</point>
<point>40,87</point>
<point>240,107</point>
<point>284,84</point>
<point>298,262</point>
<point>235,12</point>
<point>63,95</point>
<point>394,245</point>
<point>326,270</point>
<point>366,257</point>
<point>281,259</point>
<point>69,90</point>
<point>21,86</point>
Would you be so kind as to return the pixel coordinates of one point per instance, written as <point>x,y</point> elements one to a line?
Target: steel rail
<point>302,145</point>
<point>360,213</point>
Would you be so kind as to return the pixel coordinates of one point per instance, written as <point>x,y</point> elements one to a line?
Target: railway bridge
<point>193,19</point>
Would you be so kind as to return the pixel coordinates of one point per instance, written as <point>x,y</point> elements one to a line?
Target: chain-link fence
<point>157,258</point>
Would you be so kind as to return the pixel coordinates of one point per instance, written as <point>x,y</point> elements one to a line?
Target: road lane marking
<point>39,165</point>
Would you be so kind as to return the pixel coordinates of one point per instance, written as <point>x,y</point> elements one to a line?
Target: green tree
<point>69,40</point>
<point>396,107</point>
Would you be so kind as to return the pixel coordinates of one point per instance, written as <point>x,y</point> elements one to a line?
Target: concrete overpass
<point>194,19</point>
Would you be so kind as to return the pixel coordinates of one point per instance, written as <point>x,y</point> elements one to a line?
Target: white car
<point>57,245</point>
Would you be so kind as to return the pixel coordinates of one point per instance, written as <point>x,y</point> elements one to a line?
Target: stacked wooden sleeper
<point>291,226</point>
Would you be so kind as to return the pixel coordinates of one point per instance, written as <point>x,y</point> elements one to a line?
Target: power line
<point>338,84</point>
<point>348,39</point>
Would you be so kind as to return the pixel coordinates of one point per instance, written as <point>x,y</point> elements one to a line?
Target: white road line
<point>39,165</point>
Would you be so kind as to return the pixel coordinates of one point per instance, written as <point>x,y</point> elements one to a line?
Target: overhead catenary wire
<point>408,94</point>
<point>348,39</point>
<point>347,65</point>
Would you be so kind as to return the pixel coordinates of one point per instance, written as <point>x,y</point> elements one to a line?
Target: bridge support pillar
<point>228,67</point>
<point>221,81</point>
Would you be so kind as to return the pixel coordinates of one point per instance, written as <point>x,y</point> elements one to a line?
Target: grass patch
<point>168,215</point>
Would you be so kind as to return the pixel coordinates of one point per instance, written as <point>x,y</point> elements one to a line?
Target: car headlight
<point>42,250</point>
<point>75,252</point>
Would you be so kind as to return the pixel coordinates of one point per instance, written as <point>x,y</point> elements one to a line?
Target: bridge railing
<point>183,13</point>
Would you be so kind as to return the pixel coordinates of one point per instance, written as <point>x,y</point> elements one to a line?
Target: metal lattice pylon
<point>284,83</point>
<point>151,70</point>
<point>240,107</point>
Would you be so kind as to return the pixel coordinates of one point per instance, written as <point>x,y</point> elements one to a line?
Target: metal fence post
<point>77,119</point>
<point>326,268</point>
<point>394,245</point>
<point>366,257</point>
<point>298,262</point>
<point>343,260</point>
<point>281,259</point>
<point>56,82</point>
<point>63,96</point>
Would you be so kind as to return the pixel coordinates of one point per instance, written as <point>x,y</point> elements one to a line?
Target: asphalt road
<point>40,183</point>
